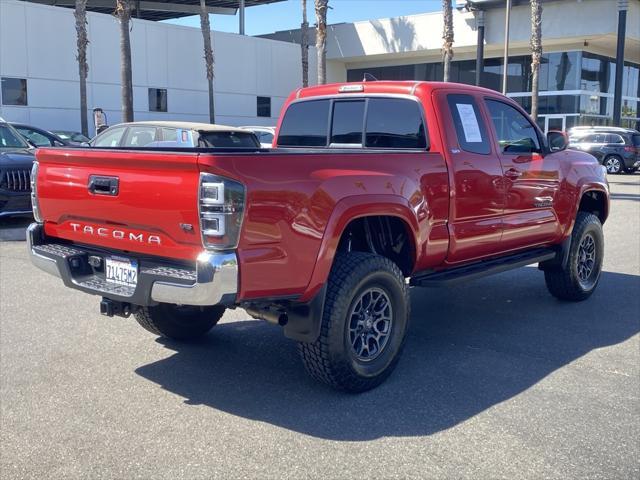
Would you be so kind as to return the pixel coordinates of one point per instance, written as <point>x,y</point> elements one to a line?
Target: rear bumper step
<point>483,268</point>
<point>212,281</point>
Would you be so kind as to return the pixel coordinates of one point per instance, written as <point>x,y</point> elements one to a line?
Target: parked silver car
<point>164,134</point>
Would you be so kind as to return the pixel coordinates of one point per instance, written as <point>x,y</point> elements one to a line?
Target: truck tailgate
<point>154,210</point>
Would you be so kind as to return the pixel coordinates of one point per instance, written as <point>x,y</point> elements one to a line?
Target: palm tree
<point>123,13</point>
<point>82,40</point>
<point>536,53</point>
<point>205,26</point>
<point>447,37</point>
<point>321,39</point>
<point>304,44</point>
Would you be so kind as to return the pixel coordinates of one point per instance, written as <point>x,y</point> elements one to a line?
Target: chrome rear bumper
<point>213,281</point>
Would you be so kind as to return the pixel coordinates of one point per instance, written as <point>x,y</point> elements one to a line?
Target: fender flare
<point>351,208</point>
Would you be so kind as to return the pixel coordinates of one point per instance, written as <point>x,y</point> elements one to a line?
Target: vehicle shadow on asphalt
<point>469,348</point>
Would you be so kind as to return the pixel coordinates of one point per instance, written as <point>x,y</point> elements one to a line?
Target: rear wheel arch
<point>386,235</point>
<point>354,209</point>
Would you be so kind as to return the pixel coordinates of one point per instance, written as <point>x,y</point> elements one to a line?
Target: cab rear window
<point>344,122</point>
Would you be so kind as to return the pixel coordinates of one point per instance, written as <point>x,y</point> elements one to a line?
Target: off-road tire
<point>564,282</point>
<point>179,322</point>
<point>620,165</point>
<point>331,359</point>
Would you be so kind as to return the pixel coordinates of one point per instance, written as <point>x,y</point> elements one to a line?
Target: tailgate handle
<point>103,185</point>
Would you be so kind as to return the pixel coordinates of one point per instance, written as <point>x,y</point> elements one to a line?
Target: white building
<point>39,71</point>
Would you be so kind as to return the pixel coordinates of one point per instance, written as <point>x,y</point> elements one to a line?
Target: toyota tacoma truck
<point>371,188</point>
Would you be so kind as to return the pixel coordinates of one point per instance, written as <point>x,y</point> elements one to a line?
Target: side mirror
<point>557,141</point>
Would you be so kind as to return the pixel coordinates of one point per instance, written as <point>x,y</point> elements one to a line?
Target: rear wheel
<point>579,278</point>
<point>613,164</point>
<point>364,323</point>
<point>180,322</point>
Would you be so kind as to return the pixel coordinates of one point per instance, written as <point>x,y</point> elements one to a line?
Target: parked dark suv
<point>618,149</point>
<point>16,160</point>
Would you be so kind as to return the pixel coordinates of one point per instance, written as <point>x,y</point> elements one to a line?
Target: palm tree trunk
<point>82,40</point>
<point>123,13</point>
<point>536,53</point>
<point>304,45</point>
<point>321,39</point>
<point>447,37</point>
<point>205,26</point>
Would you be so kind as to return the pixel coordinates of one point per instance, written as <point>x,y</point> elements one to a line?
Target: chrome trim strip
<point>43,263</point>
<point>216,282</point>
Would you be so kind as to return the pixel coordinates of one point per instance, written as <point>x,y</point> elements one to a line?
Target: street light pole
<point>505,62</point>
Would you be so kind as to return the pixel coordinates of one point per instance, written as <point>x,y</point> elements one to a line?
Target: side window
<point>470,128</point>
<point>347,122</point>
<point>169,134</point>
<point>394,123</point>
<point>514,131</point>
<point>305,124</point>
<point>110,138</point>
<point>614,138</point>
<point>139,136</point>
<point>266,137</point>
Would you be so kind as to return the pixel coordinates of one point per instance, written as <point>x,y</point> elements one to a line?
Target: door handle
<point>103,185</point>
<point>512,173</point>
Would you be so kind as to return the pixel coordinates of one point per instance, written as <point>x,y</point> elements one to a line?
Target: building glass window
<point>14,91</point>
<point>563,71</point>
<point>157,99</point>
<point>263,105</point>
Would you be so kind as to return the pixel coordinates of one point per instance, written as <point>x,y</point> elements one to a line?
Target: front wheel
<point>613,164</point>
<point>179,322</point>
<point>578,279</point>
<point>364,324</point>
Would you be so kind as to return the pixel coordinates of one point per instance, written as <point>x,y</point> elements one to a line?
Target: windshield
<point>636,140</point>
<point>9,138</point>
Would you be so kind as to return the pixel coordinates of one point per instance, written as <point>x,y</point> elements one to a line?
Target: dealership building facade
<point>578,66</point>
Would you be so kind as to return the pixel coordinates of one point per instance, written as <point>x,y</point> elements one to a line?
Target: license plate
<point>121,271</point>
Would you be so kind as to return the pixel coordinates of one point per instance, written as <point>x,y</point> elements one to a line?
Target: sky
<point>287,15</point>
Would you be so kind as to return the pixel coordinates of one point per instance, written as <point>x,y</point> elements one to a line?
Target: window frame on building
<point>24,91</point>
<point>263,106</point>
<point>158,99</point>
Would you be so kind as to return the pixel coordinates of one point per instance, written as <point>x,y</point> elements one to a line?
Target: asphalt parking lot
<point>498,380</point>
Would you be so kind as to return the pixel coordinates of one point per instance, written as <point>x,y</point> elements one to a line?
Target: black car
<point>618,149</point>
<point>16,160</point>
<point>40,137</point>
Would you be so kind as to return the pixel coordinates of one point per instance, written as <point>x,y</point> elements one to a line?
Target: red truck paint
<point>458,207</point>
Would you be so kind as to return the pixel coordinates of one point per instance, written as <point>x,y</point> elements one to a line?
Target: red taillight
<point>629,149</point>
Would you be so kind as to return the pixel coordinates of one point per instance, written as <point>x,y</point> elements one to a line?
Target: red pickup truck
<point>370,188</point>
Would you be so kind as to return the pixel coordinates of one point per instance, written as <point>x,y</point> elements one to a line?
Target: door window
<point>614,138</point>
<point>139,136</point>
<point>109,138</point>
<point>514,131</point>
<point>469,125</point>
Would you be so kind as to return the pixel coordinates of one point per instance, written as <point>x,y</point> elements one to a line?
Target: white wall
<point>37,42</point>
